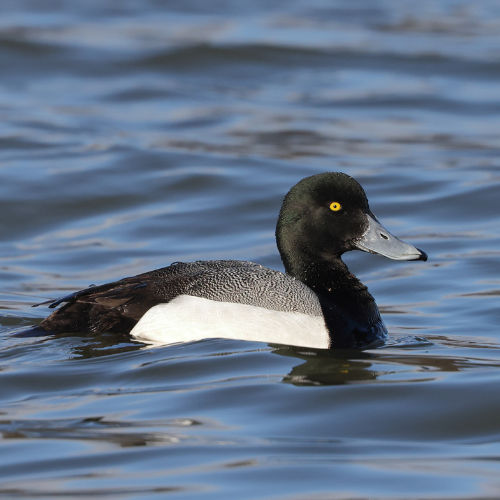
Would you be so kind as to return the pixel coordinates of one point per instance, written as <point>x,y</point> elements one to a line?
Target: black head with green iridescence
<point>328,214</point>
<point>307,219</point>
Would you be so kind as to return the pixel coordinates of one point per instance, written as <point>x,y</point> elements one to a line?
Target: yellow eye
<point>335,206</point>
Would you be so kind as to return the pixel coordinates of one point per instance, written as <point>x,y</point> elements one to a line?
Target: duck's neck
<point>351,314</point>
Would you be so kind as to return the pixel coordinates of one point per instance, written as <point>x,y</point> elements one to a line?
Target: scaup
<point>317,303</point>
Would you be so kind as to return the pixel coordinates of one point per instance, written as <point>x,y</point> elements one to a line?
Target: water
<point>134,134</point>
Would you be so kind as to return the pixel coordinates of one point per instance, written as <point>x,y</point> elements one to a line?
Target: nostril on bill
<point>384,236</point>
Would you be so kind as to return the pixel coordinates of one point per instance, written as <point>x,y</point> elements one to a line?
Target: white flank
<point>187,318</point>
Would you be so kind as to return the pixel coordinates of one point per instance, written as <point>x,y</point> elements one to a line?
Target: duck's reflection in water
<point>412,359</point>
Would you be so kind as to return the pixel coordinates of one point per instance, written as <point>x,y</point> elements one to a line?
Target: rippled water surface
<point>134,134</point>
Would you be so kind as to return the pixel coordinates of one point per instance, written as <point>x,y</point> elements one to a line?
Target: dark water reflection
<point>137,134</point>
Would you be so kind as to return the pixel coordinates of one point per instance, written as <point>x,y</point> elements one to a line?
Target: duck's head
<point>328,214</point>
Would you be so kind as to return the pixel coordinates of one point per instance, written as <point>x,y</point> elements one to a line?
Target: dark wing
<point>116,306</point>
<point>72,297</point>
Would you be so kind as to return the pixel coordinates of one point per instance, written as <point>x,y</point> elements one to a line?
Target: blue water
<point>135,134</point>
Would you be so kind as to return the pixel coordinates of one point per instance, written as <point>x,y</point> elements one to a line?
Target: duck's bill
<point>377,239</point>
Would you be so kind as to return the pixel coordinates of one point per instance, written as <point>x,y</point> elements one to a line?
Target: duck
<point>316,303</point>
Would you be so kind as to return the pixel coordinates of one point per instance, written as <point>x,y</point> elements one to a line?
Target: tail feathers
<point>81,317</point>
